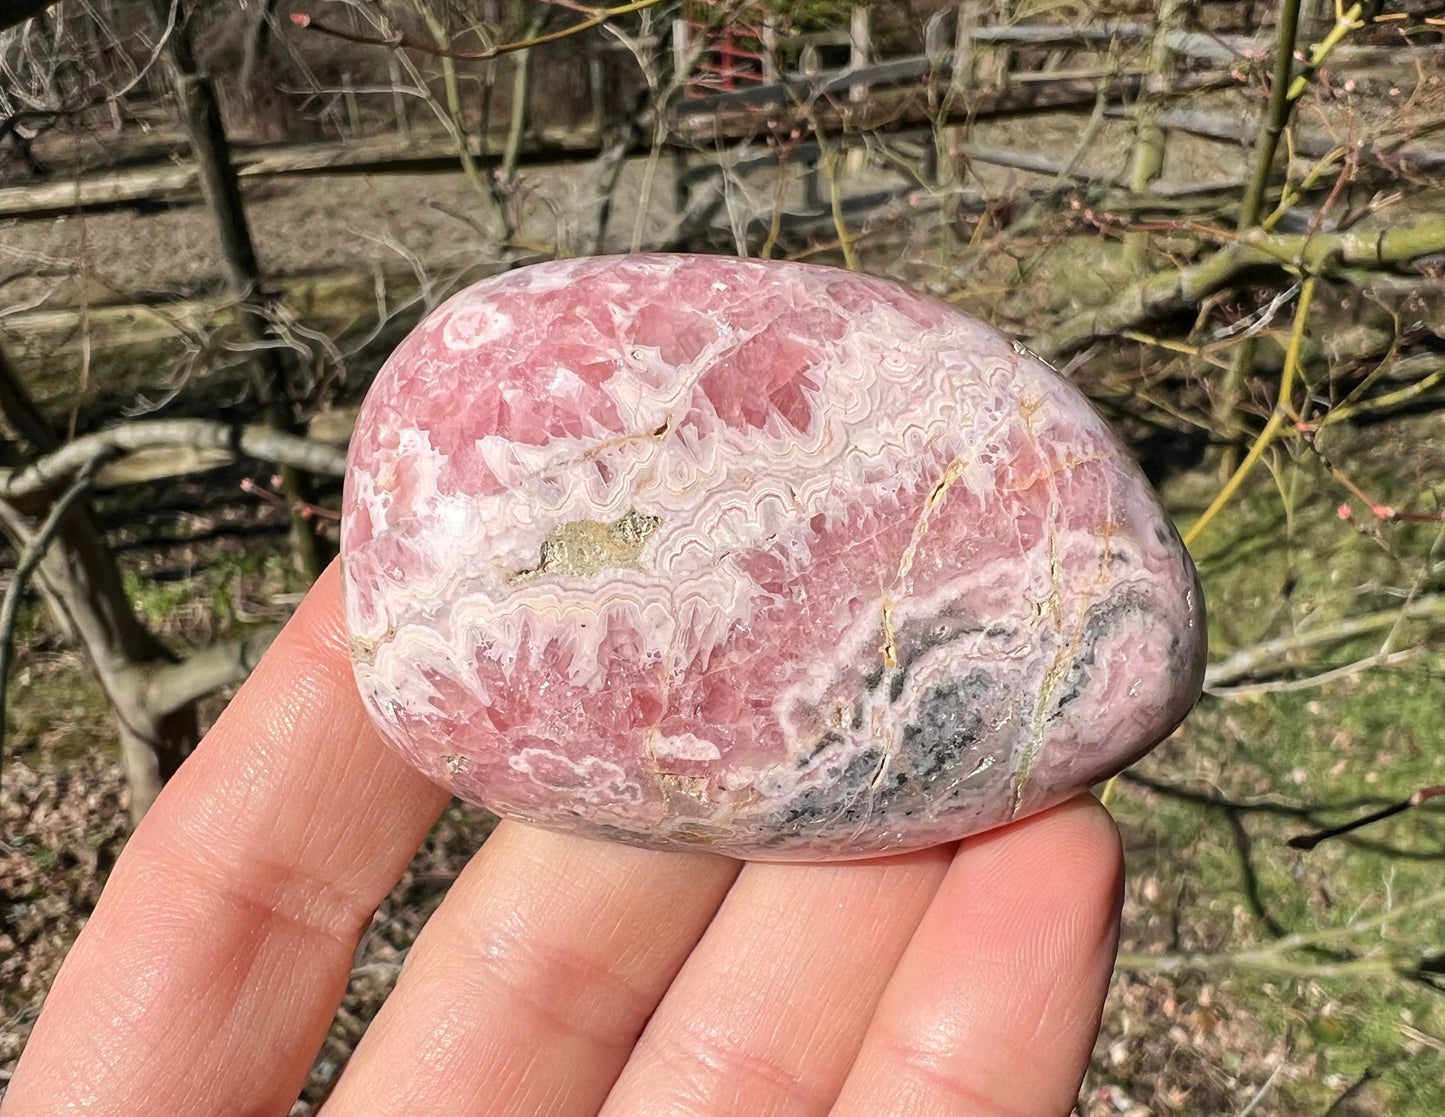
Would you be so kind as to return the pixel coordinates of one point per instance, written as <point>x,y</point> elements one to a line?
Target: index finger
<point>210,971</point>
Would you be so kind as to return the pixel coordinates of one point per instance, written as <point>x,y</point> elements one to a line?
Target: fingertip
<point>1082,820</point>
<point>1048,890</point>
<point>1075,846</point>
<point>997,1002</point>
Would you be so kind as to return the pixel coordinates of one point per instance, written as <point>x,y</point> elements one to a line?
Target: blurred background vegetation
<point>1223,219</point>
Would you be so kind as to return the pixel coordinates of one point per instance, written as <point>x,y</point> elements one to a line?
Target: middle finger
<point>766,1016</point>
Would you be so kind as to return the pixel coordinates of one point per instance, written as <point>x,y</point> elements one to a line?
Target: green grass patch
<point>1209,816</point>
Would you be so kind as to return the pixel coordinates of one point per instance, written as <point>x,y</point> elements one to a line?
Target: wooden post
<point>680,48</point>
<point>965,20</point>
<point>398,100</point>
<point>680,191</point>
<point>201,116</point>
<point>991,60</point>
<point>935,48</point>
<point>681,64</point>
<point>353,110</point>
<point>504,179</point>
<point>812,187</point>
<point>1317,18</point>
<point>859,55</point>
<point>521,104</point>
<point>258,38</point>
<point>599,93</point>
<point>858,47</point>
<point>770,48</point>
<point>948,140</point>
<point>935,37</point>
<point>1146,160</point>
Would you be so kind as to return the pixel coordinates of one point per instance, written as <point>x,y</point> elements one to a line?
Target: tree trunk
<point>201,116</point>
<point>258,39</point>
<point>80,583</point>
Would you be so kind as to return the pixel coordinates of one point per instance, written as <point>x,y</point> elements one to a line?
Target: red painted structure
<point>730,59</point>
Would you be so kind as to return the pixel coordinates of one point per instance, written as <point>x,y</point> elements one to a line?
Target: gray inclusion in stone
<point>949,727</point>
<point>958,744</point>
<point>951,739</point>
<point>1100,620</point>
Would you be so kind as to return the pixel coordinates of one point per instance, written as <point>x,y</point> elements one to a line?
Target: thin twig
<point>1323,678</point>
<point>451,114</point>
<point>1247,660</point>
<point>1346,22</point>
<point>1275,957</point>
<point>1276,419</point>
<point>1263,1090</point>
<point>1309,841</point>
<point>598,17</point>
<point>29,562</point>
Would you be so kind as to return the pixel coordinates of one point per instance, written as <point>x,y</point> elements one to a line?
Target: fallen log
<point>1205,46</point>
<point>153,448</point>
<point>172,181</point>
<point>890,110</point>
<point>139,346</point>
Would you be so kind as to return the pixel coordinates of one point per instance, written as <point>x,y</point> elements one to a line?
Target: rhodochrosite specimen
<point>776,560</point>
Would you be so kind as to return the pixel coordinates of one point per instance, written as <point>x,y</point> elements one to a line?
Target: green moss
<point>219,590</point>
<point>153,601</point>
<point>54,711</point>
<point>1245,775</point>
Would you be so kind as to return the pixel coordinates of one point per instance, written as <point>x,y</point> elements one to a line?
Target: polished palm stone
<point>763,558</point>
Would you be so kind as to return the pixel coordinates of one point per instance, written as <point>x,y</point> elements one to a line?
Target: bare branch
<point>1279,956</point>
<point>1277,418</point>
<point>1178,288</point>
<point>184,438</point>
<point>1246,661</point>
<point>225,663</point>
<point>1276,116</point>
<point>596,17</point>
<point>1309,841</point>
<point>1322,678</point>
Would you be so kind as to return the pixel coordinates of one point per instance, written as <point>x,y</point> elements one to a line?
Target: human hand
<point>560,977</point>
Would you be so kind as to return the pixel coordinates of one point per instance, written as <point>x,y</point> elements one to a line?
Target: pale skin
<point>560,977</point>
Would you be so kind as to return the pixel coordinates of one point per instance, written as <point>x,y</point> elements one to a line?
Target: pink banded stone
<point>776,560</point>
